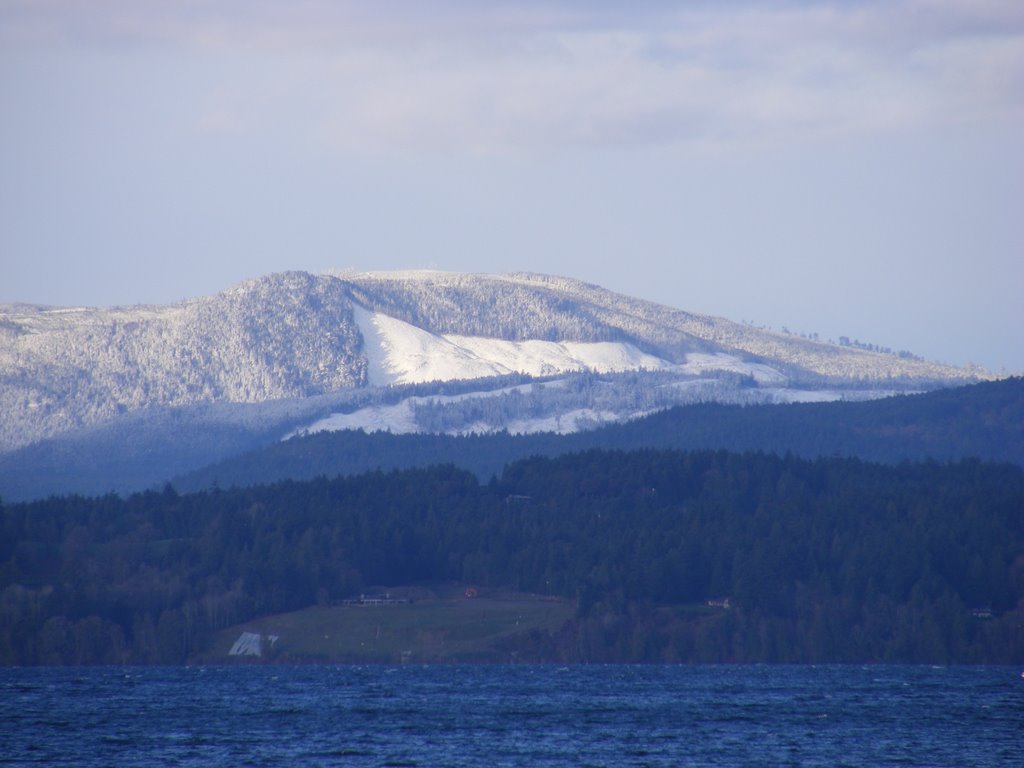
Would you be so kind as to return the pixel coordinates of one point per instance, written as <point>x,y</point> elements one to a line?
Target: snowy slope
<point>698,363</point>
<point>573,403</point>
<point>400,418</point>
<point>400,353</point>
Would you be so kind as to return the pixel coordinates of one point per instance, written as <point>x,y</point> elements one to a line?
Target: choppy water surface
<point>513,716</point>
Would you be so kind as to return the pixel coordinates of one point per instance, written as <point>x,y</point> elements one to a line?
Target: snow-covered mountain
<point>296,336</point>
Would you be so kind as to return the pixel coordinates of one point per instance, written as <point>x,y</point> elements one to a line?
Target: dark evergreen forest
<point>826,560</point>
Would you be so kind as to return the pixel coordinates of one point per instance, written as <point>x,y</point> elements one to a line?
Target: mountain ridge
<point>296,335</point>
<point>982,421</point>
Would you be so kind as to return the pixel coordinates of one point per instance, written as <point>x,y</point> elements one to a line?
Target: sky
<point>842,168</point>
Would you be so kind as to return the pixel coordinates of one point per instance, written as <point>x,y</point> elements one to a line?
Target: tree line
<point>824,560</point>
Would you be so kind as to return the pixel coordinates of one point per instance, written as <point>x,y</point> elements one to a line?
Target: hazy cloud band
<point>525,76</point>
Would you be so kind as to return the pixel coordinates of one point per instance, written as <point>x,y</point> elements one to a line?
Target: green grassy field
<point>439,625</point>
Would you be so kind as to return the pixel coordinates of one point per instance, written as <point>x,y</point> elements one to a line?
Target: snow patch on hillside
<point>400,418</point>
<point>786,395</point>
<point>577,420</point>
<point>400,353</point>
<point>698,363</point>
<point>397,419</point>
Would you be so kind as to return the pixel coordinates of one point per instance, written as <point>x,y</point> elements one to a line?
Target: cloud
<point>531,75</point>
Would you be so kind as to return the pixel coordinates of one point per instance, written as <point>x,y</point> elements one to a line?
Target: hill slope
<point>297,335</point>
<point>984,420</point>
<point>824,561</point>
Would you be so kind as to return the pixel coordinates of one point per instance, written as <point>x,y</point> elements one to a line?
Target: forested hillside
<point>983,420</point>
<point>821,561</point>
<point>297,335</point>
<point>123,398</point>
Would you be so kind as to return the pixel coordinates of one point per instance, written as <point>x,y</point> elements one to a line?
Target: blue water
<point>513,716</point>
